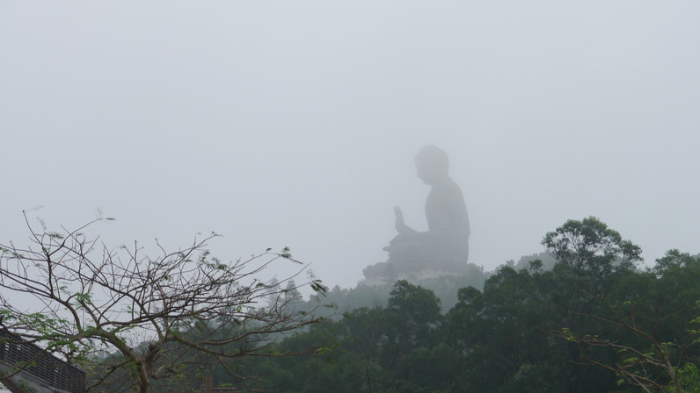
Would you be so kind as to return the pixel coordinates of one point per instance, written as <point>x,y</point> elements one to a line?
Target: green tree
<point>500,333</point>
<point>414,316</point>
<point>648,327</point>
<point>590,246</point>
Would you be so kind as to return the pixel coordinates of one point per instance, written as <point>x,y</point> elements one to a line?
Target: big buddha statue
<point>445,245</point>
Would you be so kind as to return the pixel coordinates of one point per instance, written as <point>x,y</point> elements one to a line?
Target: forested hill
<point>596,321</point>
<point>445,287</point>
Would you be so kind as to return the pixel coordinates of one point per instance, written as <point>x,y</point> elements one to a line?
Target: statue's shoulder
<point>449,187</point>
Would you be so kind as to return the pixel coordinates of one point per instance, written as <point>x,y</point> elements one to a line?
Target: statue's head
<point>432,164</point>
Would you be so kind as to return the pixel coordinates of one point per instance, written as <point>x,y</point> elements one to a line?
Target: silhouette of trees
<point>159,314</point>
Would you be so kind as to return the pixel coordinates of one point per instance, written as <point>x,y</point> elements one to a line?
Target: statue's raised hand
<point>401,227</point>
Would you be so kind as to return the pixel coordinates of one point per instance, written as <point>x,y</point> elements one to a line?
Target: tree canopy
<point>594,320</point>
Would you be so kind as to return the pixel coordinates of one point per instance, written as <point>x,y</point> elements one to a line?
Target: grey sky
<point>295,123</point>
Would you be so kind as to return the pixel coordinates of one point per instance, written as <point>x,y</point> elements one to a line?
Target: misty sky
<point>295,123</point>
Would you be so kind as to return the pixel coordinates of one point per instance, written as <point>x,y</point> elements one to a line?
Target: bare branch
<point>155,312</point>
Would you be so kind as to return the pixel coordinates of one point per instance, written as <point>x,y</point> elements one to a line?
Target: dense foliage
<point>586,317</point>
<point>595,322</point>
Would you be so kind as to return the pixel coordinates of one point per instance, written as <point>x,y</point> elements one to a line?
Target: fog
<point>296,123</point>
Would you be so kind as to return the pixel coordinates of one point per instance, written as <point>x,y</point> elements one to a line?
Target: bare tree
<point>156,313</point>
